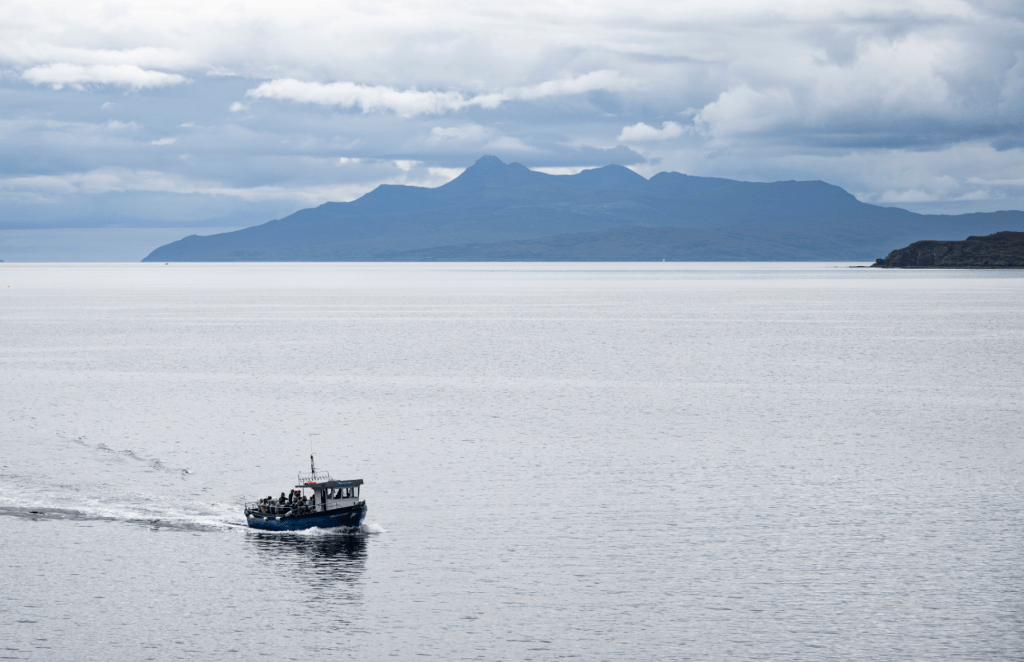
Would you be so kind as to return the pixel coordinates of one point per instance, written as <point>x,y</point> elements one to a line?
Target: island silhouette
<point>496,211</point>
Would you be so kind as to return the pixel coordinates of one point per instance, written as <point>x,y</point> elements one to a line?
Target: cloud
<point>412,102</point>
<point>900,197</point>
<point>996,182</point>
<point>474,136</point>
<point>368,98</point>
<point>641,132</point>
<point>745,110</point>
<point>49,188</point>
<point>122,180</point>
<point>509,144</point>
<point>882,98</point>
<point>466,134</point>
<point>565,170</point>
<point>163,141</point>
<point>117,125</point>
<point>124,75</point>
<point>445,175</point>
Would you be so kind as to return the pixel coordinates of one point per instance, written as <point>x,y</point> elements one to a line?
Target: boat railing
<point>314,477</point>
<point>277,509</point>
<point>256,507</point>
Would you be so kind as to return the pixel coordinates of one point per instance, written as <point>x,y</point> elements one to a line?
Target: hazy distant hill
<point>498,211</point>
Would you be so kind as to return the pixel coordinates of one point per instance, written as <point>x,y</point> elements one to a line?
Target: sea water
<point>587,461</point>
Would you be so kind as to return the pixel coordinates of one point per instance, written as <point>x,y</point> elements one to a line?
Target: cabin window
<point>355,492</point>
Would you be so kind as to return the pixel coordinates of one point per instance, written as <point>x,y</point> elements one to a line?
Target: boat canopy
<point>333,483</point>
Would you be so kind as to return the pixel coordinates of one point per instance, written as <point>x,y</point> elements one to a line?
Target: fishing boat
<point>332,504</point>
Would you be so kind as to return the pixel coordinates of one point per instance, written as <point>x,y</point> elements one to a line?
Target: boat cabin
<point>332,494</point>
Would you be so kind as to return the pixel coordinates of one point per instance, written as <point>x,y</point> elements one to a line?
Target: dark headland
<point>497,211</point>
<point>1002,250</point>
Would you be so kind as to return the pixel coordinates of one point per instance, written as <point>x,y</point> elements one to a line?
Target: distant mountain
<point>1002,250</point>
<point>499,211</point>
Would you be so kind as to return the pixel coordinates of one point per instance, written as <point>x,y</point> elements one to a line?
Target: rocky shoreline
<point>1002,250</point>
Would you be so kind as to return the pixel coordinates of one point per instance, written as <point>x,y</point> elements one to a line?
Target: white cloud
<point>48,188</point>
<point>369,98</point>
<point>508,144</point>
<point>471,134</point>
<point>125,75</point>
<point>163,141</point>
<point>744,110</point>
<point>912,195</point>
<point>794,89</point>
<point>975,195</point>
<point>121,180</point>
<point>474,136</point>
<point>995,182</point>
<point>566,170</point>
<point>220,72</point>
<point>412,102</point>
<point>406,165</point>
<point>444,175</point>
<point>641,132</point>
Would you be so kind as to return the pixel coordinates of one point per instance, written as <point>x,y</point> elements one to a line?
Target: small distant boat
<point>332,504</point>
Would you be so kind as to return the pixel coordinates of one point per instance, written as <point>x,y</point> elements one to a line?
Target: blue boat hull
<point>346,518</point>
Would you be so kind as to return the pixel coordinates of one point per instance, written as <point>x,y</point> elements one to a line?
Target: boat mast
<point>312,466</point>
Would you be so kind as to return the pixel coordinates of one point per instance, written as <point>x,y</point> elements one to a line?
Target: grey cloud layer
<point>917,103</point>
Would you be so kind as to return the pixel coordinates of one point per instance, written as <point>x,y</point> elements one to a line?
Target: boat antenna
<point>312,467</point>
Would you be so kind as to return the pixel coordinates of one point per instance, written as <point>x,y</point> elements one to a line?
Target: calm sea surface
<point>599,462</point>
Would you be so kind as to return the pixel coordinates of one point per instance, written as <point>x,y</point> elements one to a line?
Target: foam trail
<point>153,463</point>
<point>134,508</point>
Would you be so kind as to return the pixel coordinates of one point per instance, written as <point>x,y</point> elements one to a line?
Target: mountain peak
<point>489,171</point>
<point>488,161</point>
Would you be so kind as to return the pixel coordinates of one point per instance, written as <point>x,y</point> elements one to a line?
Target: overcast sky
<point>231,114</point>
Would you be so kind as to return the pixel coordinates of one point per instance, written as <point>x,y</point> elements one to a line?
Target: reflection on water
<point>332,563</point>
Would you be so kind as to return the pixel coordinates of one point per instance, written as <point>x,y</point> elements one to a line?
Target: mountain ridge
<point>497,203</point>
